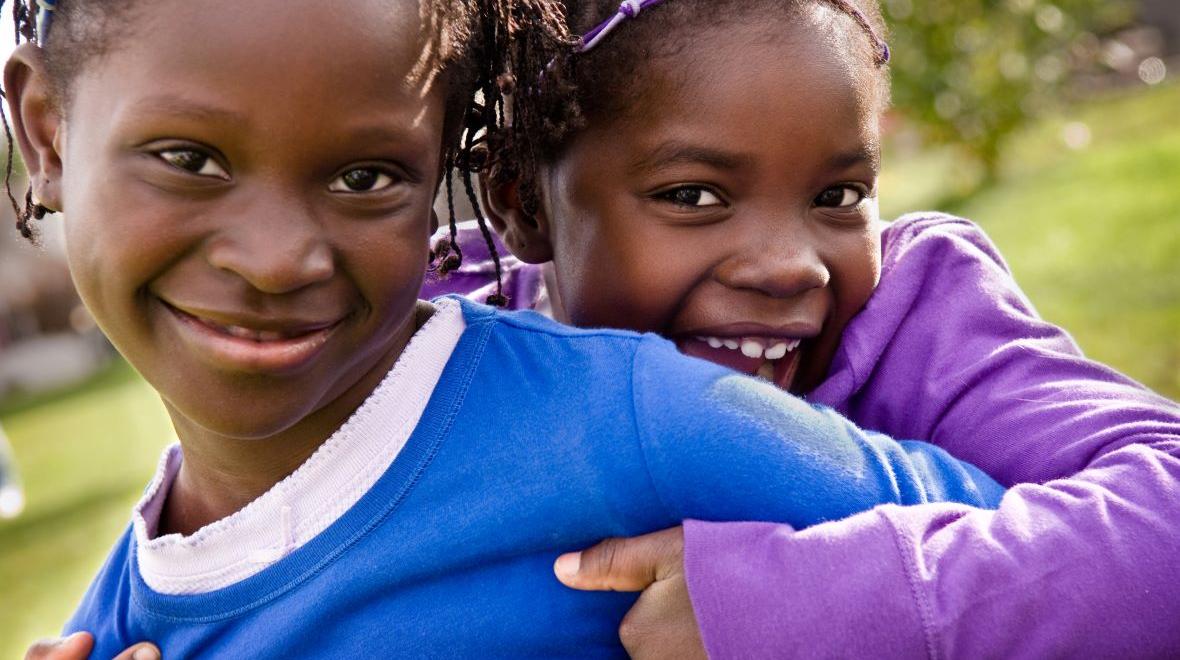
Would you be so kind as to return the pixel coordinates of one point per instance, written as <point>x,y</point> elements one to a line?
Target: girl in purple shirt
<point>708,171</point>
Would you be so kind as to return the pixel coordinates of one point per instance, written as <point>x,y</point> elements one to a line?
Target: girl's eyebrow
<point>179,106</point>
<point>675,152</point>
<point>865,155</point>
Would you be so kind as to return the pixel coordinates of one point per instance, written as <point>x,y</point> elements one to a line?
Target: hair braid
<point>25,30</point>
<point>504,39</point>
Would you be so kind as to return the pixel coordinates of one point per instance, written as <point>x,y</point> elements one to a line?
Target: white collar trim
<point>310,499</point>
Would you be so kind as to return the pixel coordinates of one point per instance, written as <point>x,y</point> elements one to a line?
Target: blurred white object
<point>1153,71</point>
<point>12,496</point>
<point>1076,135</point>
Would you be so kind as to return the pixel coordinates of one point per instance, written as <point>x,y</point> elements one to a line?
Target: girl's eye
<point>193,161</point>
<point>361,180</point>
<point>840,197</point>
<point>693,196</point>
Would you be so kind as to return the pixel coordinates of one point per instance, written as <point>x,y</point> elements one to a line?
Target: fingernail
<point>145,653</point>
<point>567,565</point>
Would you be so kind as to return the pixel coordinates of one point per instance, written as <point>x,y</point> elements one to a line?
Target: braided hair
<point>476,43</point>
<point>567,88</point>
<point>518,37</point>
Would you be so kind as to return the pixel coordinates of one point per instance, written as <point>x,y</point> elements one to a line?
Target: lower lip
<point>240,354</point>
<point>784,368</point>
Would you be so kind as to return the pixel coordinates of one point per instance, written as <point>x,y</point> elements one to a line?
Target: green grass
<point>85,457</point>
<point>1093,237</point>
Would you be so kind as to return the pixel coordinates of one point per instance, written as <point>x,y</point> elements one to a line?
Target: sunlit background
<point>1055,125</point>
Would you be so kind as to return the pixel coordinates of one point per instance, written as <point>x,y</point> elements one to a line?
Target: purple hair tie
<point>632,9</point>
<point>627,9</point>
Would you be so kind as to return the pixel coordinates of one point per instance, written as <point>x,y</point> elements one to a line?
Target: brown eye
<point>840,197</point>
<point>196,162</point>
<point>360,180</point>
<point>692,196</point>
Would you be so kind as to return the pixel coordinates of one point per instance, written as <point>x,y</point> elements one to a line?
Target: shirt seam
<point>925,615</point>
<point>641,436</point>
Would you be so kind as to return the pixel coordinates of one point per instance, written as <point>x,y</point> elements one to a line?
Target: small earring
<point>35,208</point>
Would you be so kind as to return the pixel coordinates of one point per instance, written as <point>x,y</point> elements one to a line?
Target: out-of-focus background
<point>1053,123</point>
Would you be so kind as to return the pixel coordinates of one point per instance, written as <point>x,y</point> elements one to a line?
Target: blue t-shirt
<point>538,439</point>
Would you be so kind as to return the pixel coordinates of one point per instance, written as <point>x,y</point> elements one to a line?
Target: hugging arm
<point>721,446</point>
<point>1079,559</point>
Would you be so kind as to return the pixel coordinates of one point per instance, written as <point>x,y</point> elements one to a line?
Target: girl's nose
<point>781,262</point>
<point>277,248</point>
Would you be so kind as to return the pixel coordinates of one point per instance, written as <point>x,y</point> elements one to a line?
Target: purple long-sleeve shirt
<point>1081,558</point>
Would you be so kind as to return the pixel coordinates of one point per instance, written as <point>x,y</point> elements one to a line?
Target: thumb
<point>624,564</point>
<point>143,651</point>
<point>74,647</point>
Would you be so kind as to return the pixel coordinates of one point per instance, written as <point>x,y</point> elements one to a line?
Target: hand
<point>662,623</point>
<point>78,646</point>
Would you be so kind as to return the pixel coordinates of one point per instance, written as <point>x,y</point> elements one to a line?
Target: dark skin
<point>735,200</point>
<point>259,266</point>
<point>711,211</point>
<point>763,215</point>
<point>197,206</point>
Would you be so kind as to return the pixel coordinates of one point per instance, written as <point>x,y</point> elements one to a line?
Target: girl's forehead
<point>301,77</point>
<point>800,51</point>
<point>801,68</point>
<point>224,47</point>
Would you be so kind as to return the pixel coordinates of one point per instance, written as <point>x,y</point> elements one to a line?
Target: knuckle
<point>608,557</point>
<point>40,649</point>
<point>634,635</point>
<point>629,634</point>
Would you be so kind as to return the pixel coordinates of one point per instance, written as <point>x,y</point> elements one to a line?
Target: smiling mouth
<point>774,359</point>
<point>243,348</point>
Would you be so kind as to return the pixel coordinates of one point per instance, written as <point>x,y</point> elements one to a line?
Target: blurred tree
<point>969,72</point>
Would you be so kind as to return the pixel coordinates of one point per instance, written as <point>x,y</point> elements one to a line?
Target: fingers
<point>140,652</point>
<point>78,647</point>
<point>74,647</point>
<point>662,624</point>
<point>624,564</point>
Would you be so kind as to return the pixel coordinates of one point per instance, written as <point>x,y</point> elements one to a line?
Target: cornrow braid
<point>560,88</point>
<point>510,39</point>
<point>25,29</point>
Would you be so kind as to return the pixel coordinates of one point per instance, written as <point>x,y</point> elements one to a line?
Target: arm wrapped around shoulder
<point>722,446</point>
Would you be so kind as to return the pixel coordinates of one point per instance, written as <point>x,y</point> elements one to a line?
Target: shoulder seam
<point>640,435</point>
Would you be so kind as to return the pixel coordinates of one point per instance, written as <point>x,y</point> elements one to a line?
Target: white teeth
<point>238,331</point>
<point>754,348</point>
<point>254,335</point>
<point>751,348</point>
<point>776,352</point>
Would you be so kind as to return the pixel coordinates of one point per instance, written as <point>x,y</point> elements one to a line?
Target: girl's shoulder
<point>929,239</point>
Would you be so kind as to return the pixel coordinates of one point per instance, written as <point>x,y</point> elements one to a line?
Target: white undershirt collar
<point>301,506</point>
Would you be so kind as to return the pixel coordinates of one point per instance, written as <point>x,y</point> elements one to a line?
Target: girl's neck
<point>220,476</point>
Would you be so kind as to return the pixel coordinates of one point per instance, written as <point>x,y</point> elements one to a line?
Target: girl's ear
<point>36,122</point>
<point>526,237</point>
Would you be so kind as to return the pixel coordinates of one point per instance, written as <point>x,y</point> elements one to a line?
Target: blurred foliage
<point>972,71</point>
